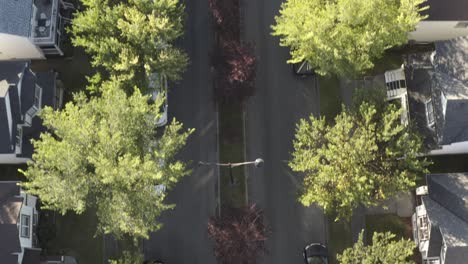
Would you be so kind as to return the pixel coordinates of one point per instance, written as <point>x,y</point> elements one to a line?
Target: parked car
<point>316,253</point>
<point>153,262</point>
<point>157,85</point>
<point>303,69</point>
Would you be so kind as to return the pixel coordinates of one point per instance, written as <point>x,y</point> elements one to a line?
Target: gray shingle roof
<point>454,230</point>
<point>10,71</point>
<point>451,57</point>
<point>46,80</point>
<point>447,211</point>
<point>456,122</point>
<point>445,81</point>
<point>15,17</point>
<point>450,190</point>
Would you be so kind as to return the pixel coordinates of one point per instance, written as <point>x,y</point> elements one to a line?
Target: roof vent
<point>422,190</point>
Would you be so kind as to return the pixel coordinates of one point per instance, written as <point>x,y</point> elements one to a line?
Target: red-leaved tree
<point>235,69</point>
<point>226,17</point>
<point>234,61</point>
<point>239,235</point>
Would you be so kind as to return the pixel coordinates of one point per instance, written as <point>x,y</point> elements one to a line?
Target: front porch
<point>48,25</point>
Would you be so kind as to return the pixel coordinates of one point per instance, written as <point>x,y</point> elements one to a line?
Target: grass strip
<point>232,150</point>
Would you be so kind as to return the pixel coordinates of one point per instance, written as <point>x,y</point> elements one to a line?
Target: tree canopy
<point>344,37</point>
<point>132,39</point>
<point>384,249</point>
<point>101,153</point>
<point>239,235</point>
<point>365,157</point>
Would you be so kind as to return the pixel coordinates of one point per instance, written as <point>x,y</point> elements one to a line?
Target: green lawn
<point>390,61</point>
<point>232,150</point>
<point>339,237</point>
<point>72,235</point>
<point>399,226</point>
<point>330,97</point>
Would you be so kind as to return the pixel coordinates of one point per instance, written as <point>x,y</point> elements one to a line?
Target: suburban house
<point>440,223</point>
<point>32,29</point>
<point>18,222</point>
<point>445,20</point>
<point>22,94</point>
<point>433,88</point>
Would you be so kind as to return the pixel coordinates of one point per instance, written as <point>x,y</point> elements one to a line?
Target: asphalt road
<point>281,100</point>
<point>183,238</point>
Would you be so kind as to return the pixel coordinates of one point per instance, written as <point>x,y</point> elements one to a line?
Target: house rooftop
<point>456,122</point>
<point>454,231</point>
<point>442,77</point>
<point>450,190</point>
<point>447,10</point>
<point>10,73</point>
<point>451,58</point>
<point>15,17</point>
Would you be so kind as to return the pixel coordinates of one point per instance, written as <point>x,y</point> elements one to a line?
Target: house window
<point>25,225</point>
<point>429,113</point>
<point>19,136</point>
<point>462,25</point>
<point>35,220</point>
<point>58,98</point>
<point>37,97</point>
<point>423,227</point>
<point>433,260</point>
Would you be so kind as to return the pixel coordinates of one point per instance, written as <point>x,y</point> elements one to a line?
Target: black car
<point>316,253</point>
<point>303,69</point>
<point>153,262</point>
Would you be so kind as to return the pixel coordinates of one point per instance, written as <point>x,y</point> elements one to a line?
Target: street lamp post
<point>257,163</point>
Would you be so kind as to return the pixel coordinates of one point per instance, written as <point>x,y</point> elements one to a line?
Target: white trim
<point>454,148</point>
<point>430,118</point>
<point>9,117</point>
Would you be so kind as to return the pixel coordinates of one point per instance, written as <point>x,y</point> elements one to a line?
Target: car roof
<point>316,249</point>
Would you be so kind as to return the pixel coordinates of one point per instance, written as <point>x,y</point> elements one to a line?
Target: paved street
<point>281,100</point>
<point>183,238</point>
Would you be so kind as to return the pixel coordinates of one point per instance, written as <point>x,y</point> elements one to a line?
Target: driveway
<point>183,238</point>
<point>281,100</point>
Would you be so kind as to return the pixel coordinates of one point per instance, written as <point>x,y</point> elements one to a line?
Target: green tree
<point>344,36</point>
<point>102,153</point>
<point>132,39</point>
<point>365,157</point>
<point>129,257</point>
<point>384,249</point>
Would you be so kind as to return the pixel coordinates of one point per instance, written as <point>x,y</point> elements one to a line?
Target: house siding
<point>430,31</point>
